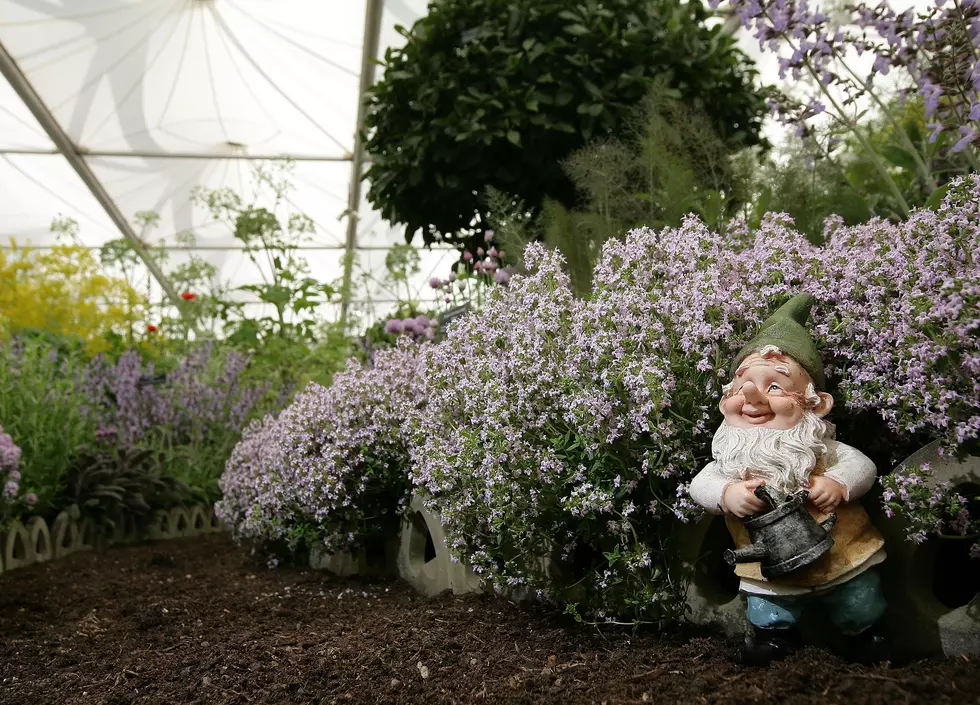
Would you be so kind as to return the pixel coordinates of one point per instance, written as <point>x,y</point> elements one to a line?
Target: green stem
<point>899,130</point>
<point>852,126</point>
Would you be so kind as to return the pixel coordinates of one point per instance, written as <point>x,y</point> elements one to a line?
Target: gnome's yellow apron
<point>855,541</point>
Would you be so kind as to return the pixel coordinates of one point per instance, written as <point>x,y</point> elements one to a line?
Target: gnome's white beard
<point>783,458</point>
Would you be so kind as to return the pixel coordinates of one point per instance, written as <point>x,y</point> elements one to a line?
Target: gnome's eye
<point>775,387</point>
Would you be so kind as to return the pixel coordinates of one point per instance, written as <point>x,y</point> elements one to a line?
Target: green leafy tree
<point>499,93</point>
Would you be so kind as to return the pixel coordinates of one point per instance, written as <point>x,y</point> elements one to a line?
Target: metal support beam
<point>182,155</point>
<point>229,248</point>
<point>41,112</point>
<point>372,37</point>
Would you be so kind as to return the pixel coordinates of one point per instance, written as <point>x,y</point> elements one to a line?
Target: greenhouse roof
<point>148,99</point>
<point>114,108</point>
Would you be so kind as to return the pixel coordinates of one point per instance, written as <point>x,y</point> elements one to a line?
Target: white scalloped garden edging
<point>36,542</point>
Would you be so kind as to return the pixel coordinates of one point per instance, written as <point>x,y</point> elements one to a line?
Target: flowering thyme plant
<point>901,317</point>
<point>332,467</point>
<point>929,507</point>
<point>567,430</point>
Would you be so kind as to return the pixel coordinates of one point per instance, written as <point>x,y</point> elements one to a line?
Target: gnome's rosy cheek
<point>731,405</point>
<point>787,412</point>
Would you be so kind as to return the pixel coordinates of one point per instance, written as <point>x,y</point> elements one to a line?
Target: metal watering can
<point>784,539</point>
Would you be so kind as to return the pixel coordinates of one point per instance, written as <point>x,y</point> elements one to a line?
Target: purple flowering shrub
<point>332,468</point>
<point>900,313</point>
<point>531,465</point>
<point>568,430</point>
<point>903,320</point>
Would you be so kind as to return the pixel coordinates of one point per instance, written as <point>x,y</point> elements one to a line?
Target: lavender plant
<point>41,408</point>
<point>332,467</point>
<point>193,416</point>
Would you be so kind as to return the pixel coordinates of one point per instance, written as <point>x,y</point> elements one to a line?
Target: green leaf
<point>899,157</point>
<point>577,30</point>
<point>936,197</point>
<point>564,97</point>
<point>514,137</point>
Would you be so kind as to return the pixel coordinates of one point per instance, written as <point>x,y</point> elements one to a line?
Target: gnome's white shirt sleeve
<point>846,465</point>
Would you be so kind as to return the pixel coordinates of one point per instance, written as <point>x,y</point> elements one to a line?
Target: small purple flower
<point>394,327</point>
<point>501,276</point>
<point>435,282</point>
<point>10,489</point>
<point>468,256</point>
<point>30,499</point>
<point>488,236</point>
<point>480,251</point>
<point>493,252</point>
<point>15,475</point>
<point>969,134</point>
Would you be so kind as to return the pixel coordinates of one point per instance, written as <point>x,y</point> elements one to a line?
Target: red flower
<point>188,296</point>
<point>151,328</point>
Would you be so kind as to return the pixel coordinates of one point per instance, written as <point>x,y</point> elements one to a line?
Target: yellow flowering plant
<point>65,291</point>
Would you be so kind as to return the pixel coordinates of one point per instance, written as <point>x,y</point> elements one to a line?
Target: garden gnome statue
<point>775,445</point>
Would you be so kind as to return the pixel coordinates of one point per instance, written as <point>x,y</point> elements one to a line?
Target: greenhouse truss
<point>112,109</point>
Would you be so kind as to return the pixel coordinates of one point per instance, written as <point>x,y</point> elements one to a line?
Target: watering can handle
<point>762,492</point>
<point>828,523</point>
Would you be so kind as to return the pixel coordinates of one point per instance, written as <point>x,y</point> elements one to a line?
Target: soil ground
<point>192,621</point>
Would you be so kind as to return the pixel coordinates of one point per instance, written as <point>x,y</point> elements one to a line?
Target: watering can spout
<point>747,554</point>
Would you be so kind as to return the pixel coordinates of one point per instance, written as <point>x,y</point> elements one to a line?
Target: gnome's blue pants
<point>852,606</point>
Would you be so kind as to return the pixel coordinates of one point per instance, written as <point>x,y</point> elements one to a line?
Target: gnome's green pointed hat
<point>786,329</point>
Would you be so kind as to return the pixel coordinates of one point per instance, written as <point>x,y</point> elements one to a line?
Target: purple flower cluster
<point>206,394</point>
<point>10,474</point>
<point>419,328</point>
<point>936,49</point>
<point>332,468</point>
<point>487,270</point>
<point>928,507</point>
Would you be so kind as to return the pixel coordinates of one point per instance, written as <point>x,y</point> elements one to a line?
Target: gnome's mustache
<point>783,458</point>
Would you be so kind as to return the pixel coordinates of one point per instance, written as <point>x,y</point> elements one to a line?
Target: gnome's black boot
<point>763,646</point>
<point>868,648</point>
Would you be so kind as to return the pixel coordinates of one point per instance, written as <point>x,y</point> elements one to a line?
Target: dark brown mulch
<point>193,622</point>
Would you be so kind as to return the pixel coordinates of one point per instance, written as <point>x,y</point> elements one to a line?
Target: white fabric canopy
<point>162,96</point>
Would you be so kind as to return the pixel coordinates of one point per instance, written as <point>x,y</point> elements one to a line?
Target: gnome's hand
<point>739,498</point>
<point>825,493</point>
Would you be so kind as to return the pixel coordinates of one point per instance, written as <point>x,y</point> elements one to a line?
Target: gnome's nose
<point>752,393</point>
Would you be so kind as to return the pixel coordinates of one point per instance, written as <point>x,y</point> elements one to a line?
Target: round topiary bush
<point>498,93</point>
